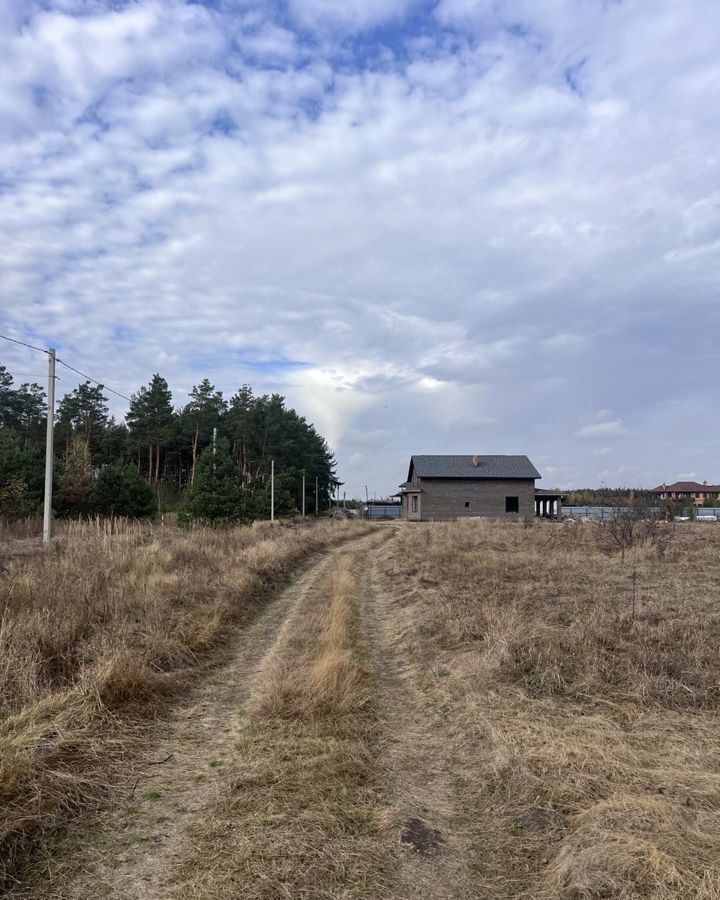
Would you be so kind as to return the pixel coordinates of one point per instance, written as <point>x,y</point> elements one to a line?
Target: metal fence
<point>702,513</point>
<point>383,511</point>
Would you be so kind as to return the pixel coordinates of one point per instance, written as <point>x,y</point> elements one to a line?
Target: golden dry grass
<point>98,633</point>
<point>589,731</point>
<point>316,671</point>
<point>302,816</point>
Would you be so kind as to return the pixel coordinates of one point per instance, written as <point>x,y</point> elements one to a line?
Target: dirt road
<point>400,825</point>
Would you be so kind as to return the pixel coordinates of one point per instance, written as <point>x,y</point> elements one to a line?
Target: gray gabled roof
<point>472,467</point>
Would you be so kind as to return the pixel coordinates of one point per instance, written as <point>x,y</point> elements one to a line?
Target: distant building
<point>452,487</point>
<point>687,491</point>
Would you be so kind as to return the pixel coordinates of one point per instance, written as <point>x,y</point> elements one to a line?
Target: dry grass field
<point>461,711</point>
<point>581,695</point>
<point>100,633</point>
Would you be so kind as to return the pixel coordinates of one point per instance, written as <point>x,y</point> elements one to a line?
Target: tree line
<point>211,457</point>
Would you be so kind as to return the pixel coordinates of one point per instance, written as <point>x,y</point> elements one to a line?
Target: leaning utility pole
<point>303,504</point>
<point>49,451</point>
<point>317,496</point>
<point>272,490</point>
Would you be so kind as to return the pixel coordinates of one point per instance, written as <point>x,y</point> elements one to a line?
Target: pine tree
<point>163,443</point>
<point>23,464</point>
<point>7,399</point>
<point>217,496</point>
<point>203,413</point>
<point>31,412</point>
<point>82,413</point>
<point>121,491</point>
<point>23,408</point>
<point>150,421</point>
<point>112,444</point>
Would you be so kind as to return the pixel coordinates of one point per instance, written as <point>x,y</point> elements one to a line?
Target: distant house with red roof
<point>686,491</point>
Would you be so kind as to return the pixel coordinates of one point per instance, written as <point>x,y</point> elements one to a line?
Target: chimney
<point>704,482</point>
<point>475,460</point>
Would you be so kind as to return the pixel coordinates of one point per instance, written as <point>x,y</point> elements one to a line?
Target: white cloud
<point>458,244</point>
<point>349,15</point>
<point>601,431</point>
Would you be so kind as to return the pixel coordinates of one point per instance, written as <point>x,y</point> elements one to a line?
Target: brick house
<point>687,491</point>
<point>451,487</point>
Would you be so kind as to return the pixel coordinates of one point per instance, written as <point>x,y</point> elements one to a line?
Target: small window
<point>414,502</point>
<point>467,504</point>
<point>512,504</point>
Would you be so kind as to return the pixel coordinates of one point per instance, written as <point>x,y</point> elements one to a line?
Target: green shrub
<point>120,491</point>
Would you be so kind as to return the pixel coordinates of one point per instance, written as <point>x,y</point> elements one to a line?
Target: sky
<point>435,226</point>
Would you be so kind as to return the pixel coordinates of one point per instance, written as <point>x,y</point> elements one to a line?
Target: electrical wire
<point>67,366</point>
<point>94,380</point>
<point>23,344</point>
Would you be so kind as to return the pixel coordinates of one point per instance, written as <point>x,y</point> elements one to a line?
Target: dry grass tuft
<point>588,690</point>
<point>316,672</point>
<point>97,634</point>
<point>626,847</point>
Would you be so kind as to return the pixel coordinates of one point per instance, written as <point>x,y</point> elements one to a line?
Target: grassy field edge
<point>100,636</point>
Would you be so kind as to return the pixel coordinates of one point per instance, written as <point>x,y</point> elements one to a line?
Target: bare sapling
<point>630,526</point>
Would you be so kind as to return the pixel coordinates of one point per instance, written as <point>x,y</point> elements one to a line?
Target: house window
<point>467,504</point>
<point>512,504</point>
<point>413,503</point>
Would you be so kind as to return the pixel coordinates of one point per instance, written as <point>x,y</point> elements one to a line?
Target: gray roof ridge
<point>496,465</point>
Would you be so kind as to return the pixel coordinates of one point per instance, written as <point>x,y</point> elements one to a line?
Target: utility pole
<point>303,503</point>
<point>317,497</point>
<point>343,499</point>
<point>272,490</point>
<point>49,451</point>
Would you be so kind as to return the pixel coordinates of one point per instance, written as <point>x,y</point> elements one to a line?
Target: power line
<point>67,366</point>
<point>94,380</point>
<point>22,343</point>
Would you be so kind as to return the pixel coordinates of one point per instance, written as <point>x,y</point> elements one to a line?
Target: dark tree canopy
<point>166,448</point>
<point>83,413</point>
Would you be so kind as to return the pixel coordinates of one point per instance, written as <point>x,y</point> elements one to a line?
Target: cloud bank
<point>454,227</point>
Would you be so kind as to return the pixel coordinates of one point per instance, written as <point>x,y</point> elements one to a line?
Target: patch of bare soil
<point>133,850</point>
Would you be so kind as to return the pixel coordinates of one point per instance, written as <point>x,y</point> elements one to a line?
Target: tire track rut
<point>421,756</point>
